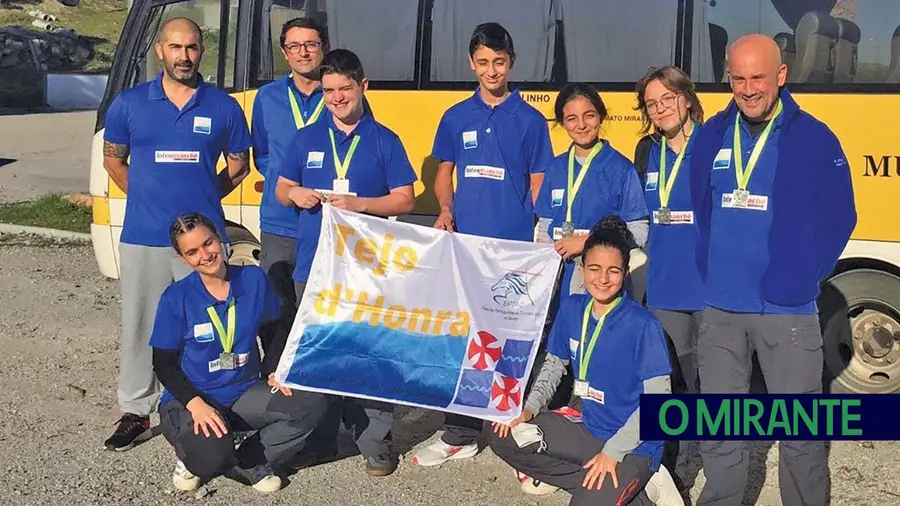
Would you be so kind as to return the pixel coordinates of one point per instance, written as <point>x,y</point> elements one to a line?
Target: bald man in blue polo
<point>774,206</point>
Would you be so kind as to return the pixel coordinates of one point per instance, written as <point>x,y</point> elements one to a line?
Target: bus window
<point>207,14</point>
<point>382,34</point>
<point>531,23</point>
<point>617,40</point>
<point>822,41</point>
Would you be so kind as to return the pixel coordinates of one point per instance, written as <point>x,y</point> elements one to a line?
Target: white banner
<point>413,315</point>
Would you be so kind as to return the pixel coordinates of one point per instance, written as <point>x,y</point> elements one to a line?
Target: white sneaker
<point>184,479</point>
<point>661,489</point>
<point>534,487</point>
<point>441,452</point>
<point>268,484</point>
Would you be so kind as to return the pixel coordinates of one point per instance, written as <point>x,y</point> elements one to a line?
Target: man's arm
<point>236,169</point>
<point>115,161</point>
<point>400,201</point>
<point>443,186</point>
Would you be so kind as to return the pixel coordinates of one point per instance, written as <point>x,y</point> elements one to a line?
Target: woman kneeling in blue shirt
<point>206,356</point>
<point>618,351</point>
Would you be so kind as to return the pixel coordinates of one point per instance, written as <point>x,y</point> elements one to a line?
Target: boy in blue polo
<point>174,128</point>
<point>363,167</point>
<point>501,146</point>
<point>280,109</point>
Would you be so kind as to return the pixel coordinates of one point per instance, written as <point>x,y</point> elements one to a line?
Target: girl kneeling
<point>617,351</point>
<point>206,356</point>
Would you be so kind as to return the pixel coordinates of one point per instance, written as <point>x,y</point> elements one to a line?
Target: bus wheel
<point>244,247</point>
<point>861,314</point>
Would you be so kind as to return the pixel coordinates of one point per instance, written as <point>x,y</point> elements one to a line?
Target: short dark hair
<point>492,36</point>
<point>187,222</point>
<point>574,90</point>
<point>610,231</point>
<point>308,23</point>
<point>343,62</point>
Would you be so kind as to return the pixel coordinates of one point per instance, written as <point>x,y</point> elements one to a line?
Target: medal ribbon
<point>743,178</point>
<point>295,109</point>
<point>339,166</point>
<point>227,337</point>
<point>665,185</point>
<point>583,358</point>
<point>573,187</point>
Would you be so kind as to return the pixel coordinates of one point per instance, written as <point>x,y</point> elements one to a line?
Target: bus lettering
<point>884,163</point>
<point>537,97</point>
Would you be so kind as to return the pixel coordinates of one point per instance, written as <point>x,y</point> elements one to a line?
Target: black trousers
<point>569,446</point>
<point>283,422</point>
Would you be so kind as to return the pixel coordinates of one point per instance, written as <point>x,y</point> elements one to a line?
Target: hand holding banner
<point>413,315</point>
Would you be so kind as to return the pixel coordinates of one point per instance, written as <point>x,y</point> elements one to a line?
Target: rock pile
<point>43,51</point>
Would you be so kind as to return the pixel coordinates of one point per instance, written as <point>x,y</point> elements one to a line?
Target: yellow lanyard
<point>665,185</point>
<point>339,166</point>
<point>226,337</point>
<point>743,178</point>
<point>583,358</point>
<point>295,108</point>
<point>573,187</point>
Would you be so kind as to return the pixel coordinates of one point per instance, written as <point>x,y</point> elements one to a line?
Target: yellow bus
<point>843,56</point>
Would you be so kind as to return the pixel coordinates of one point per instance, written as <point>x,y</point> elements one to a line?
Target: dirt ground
<point>59,333</point>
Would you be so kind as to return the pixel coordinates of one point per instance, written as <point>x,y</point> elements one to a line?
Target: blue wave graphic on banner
<point>379,362</point>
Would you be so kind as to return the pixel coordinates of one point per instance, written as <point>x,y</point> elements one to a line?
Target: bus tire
<point>860,315</point>
<point>244,246</point>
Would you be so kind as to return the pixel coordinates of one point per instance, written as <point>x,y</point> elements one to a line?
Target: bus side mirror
<point>69,3</point>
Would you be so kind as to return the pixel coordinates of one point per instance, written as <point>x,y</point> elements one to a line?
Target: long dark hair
<point>574,90</point>
<point>187,222</point>
<point>611,231</point>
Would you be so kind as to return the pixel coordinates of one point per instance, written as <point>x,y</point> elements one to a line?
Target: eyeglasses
<point>666,101</point>
<point>311,46</point>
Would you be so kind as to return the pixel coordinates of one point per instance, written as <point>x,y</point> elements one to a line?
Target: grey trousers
<point>277,258</point>
<point>569,447</point>
<point>145,272</point>
<point>682,328</point>
<point>283,423</point>
<point>370,420</point>
<point>789,349</point>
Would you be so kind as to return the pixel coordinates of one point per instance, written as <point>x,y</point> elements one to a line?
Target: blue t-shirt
<point>673,279</point>
<point>273,129</point>
<point>631,348</point>
<point>738,250</point>
<point>495,151</point>
<point>173,156</point>
<point>610,187</point>
<point>379,165</point>
<point>182,323</point>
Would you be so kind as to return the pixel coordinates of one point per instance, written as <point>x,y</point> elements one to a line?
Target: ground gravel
<point>59,333</point>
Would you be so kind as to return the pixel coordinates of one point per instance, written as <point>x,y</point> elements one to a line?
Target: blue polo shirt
<point>173,156</point>
<point>379,165</point>
<point>673,279</point>
<point>273,130</point>
<point>739,245</point>
<point>631,348</point>
<point>182,323</point>
<point>495,151</point>
<point>610,187</point>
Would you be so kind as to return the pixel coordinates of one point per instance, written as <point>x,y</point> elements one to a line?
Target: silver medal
<point>740,198</point>
<point>568,229</point>
<point>227,361</point>
<point>664,216</point>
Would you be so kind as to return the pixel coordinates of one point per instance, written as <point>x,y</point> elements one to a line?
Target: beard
<point>184,71</point>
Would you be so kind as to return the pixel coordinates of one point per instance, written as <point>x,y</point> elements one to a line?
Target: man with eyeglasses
<point>280,109</point>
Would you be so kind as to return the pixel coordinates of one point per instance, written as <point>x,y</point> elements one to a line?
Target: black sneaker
<point>132,429</point>
<point>382,464</point>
